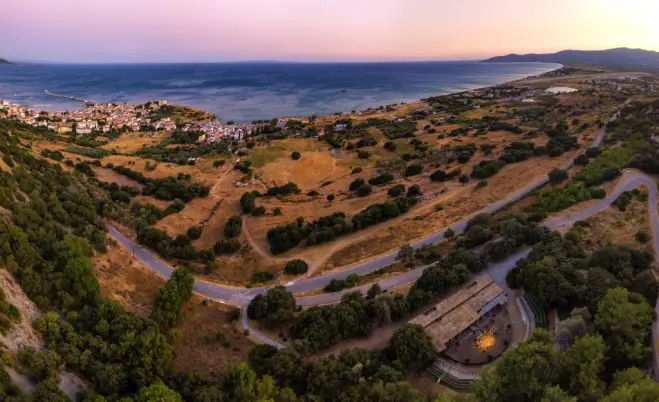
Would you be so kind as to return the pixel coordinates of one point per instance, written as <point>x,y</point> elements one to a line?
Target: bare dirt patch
<point>127,280</point>
<point>209,343</point>
<point>21,334</point>
<point>309,171</point>
<point>110,176</point>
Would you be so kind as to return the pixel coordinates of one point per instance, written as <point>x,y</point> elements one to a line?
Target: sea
<point>254,90</point>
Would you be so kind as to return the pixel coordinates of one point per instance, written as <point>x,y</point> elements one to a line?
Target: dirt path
<point>219,181</point>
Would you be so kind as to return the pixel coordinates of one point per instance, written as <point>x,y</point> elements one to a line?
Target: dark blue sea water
<point>247,91</point>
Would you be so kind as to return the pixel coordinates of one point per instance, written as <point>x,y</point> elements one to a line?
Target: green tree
<point>406,254</point>
<point>296,267</point>
<point>557,176</point>
<point>233,227</point>
<point>158,392</point>
<point>581,367</point>
<point>412,346</point>
<point>624,322</point>
<point>276,307</point>
<point>644,390</point>
<point>48,391</point>
<point>556,394</point>
<point>522,374</point>
<point>171,298</point>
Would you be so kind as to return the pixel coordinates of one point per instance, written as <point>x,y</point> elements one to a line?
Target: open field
<point>133,141</point>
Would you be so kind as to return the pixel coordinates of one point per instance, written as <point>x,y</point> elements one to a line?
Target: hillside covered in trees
<point>619,58</point>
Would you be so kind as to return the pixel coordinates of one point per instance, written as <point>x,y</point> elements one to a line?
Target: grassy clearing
<point>262,156</point>
<point>615,158</point>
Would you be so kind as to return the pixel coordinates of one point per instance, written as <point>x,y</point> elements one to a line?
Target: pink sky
<point>316,30</point>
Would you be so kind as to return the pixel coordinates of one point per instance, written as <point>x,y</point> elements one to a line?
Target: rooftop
<point>454,314</point>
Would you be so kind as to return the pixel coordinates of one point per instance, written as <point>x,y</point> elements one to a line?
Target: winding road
<point>241,296</point>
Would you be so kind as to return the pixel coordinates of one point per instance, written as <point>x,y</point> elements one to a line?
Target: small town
<point>108,117</point>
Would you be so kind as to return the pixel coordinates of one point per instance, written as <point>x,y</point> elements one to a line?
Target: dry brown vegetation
<point>612,226</point>
<point>209,343</point>
<point>198,346</point>
<point>133,141</point>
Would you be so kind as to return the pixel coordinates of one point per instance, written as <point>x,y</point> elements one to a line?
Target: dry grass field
<point>133,141</point>
<point>612,226</point>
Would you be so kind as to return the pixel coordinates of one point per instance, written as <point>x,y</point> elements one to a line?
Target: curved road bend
<point>242,296</point>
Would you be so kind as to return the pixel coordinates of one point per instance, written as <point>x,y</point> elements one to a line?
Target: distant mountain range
<point>3,61</point>
<point>620,58</point>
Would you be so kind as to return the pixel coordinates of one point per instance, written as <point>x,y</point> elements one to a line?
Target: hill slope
<point>3,61</point>
<point>620,58</point>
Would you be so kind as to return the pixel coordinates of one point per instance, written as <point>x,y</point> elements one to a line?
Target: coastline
<point>264,98</point>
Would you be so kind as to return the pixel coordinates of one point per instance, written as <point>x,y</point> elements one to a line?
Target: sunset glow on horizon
<point>309,30</point>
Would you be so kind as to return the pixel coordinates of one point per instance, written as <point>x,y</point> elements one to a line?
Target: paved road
<point>242,296</point>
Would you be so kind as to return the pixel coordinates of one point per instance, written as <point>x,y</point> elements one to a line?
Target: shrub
<point>233,226</point>
<point>622,202</point>
<point>262,276</point>
<point>592,152</point>
<point>194,232</point>
<point>296,155</point>
<point>286,189</point>
<point>396,190</point>
<point>381,179</point>
<point>258,211</point>
<point>481,184</point>
<point>228,246</point>
<point>390,146</point>
<point>356,184</point>
<point>364,190</point>
<point>463,157</point>
<point>642,236</point>
<point>464,179</point>
<point>296,267</point>
<point>363,154</point>
<point>557,176</point>
<point>331,197</point>
<point>219,163</point>
<point>248,202</point>
<point>413,169</point>
<point>454,173</point>
<point>438,175</point>
<point>414,191</point>
<point>357,170</point>
<point>581,160</point>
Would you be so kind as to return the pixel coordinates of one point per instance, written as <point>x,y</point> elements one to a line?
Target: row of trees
<point>167,188</point>
<point>327,228</point>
